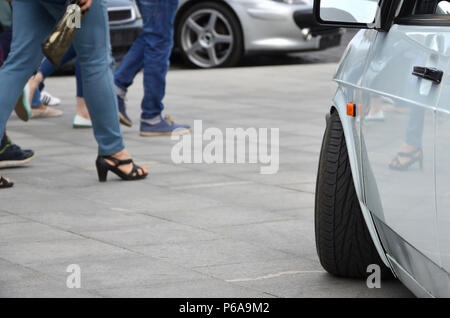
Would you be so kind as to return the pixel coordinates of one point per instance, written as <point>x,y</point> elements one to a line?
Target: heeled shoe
<point>4,184</point>
<point>413,157</point>
<point>103,167</point>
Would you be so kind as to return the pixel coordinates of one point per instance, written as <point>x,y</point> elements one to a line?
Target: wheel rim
<point>207,38</point>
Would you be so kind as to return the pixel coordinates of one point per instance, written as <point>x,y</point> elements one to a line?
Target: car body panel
<point>408,280</point>
<point>408,204</point>
<point>349,75</point>
<point>377,73</point>
<point>389,82</point>
<point>269,26</point>
<point>443,170</point>
<point>355,55</point>
<point>408,261</point>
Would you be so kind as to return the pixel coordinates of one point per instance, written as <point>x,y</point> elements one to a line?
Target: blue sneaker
<point>124,119</point>
<point>13,156</point>
<point>166,127</point>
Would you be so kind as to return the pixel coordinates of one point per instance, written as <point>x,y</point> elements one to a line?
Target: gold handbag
<point>58,43</point>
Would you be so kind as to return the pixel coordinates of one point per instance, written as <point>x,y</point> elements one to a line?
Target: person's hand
<point>85,4</point>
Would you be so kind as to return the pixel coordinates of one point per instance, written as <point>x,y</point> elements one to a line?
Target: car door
<point>400,117</point>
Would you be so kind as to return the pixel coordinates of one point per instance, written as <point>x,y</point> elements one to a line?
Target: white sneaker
<point>81,122</point>
<point>49,100</point>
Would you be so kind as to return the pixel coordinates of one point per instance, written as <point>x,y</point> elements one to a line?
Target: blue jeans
<point>5,41</point>
<point>35,20</point>
<point>48,69</point>
<point>150,52</point>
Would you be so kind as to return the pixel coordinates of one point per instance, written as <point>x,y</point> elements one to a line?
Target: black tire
<point>343,241</point>
<point>237,49</point>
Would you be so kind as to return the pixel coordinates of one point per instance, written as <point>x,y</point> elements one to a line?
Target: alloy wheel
<point>207,38</point>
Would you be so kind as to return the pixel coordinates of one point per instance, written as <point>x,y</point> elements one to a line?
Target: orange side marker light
<point>351,110</point>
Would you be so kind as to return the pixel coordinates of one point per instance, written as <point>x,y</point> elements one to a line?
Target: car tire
<point>343,241</point>
<point>228,54</point>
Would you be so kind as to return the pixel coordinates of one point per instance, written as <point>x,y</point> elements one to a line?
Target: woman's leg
<point>79,78</point>
<point>48,69</point>
<point>45,70</point>
<point>92,44</point>
<point>25,56</point>
<point>93,48</point>
<point>1,56</point>
<point>81,103</point>
<point>5,41</point>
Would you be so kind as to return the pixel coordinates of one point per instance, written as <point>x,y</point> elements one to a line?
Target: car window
<point>432,7</point>
<point>425,12</point>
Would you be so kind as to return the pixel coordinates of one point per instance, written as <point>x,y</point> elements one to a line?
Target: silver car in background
<point>218,33</point>
<point>125,25</point>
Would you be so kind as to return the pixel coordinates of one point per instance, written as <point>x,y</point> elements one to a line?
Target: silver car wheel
<point>207,38</point>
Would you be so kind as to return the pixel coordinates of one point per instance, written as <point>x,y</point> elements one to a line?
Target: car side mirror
<point>361,14</point>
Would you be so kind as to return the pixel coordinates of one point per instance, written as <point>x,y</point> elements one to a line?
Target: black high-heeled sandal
<point>5,184</point>
<point>103,167</point>
<point>413,157</point>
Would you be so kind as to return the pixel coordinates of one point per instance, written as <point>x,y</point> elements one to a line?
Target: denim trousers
<point>33,22</point>
<point>4,49</point>
<point>47,69</point>
<point>151,52</point>
<point>5,42</point>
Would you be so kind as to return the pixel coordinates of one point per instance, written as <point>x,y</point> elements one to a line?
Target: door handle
<point>429,73</point>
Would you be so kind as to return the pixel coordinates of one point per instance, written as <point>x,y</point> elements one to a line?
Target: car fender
<point>353,149</point>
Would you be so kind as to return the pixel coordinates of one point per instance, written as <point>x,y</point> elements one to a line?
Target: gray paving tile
<point>14,273</point>
<point>94,218</point>
<point>256,196</point>
<point>42,288</point>
<point>120,272</point>
<point>258,271</point>
<point>31,232</point>
<point>152,232</point>
<point>210,288</point>
<point>218,216</point>
<point>215,252</point>
<point>6,218</point>
<point>319,284</point>
<point>69,251</point>
<point>290,236</point>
